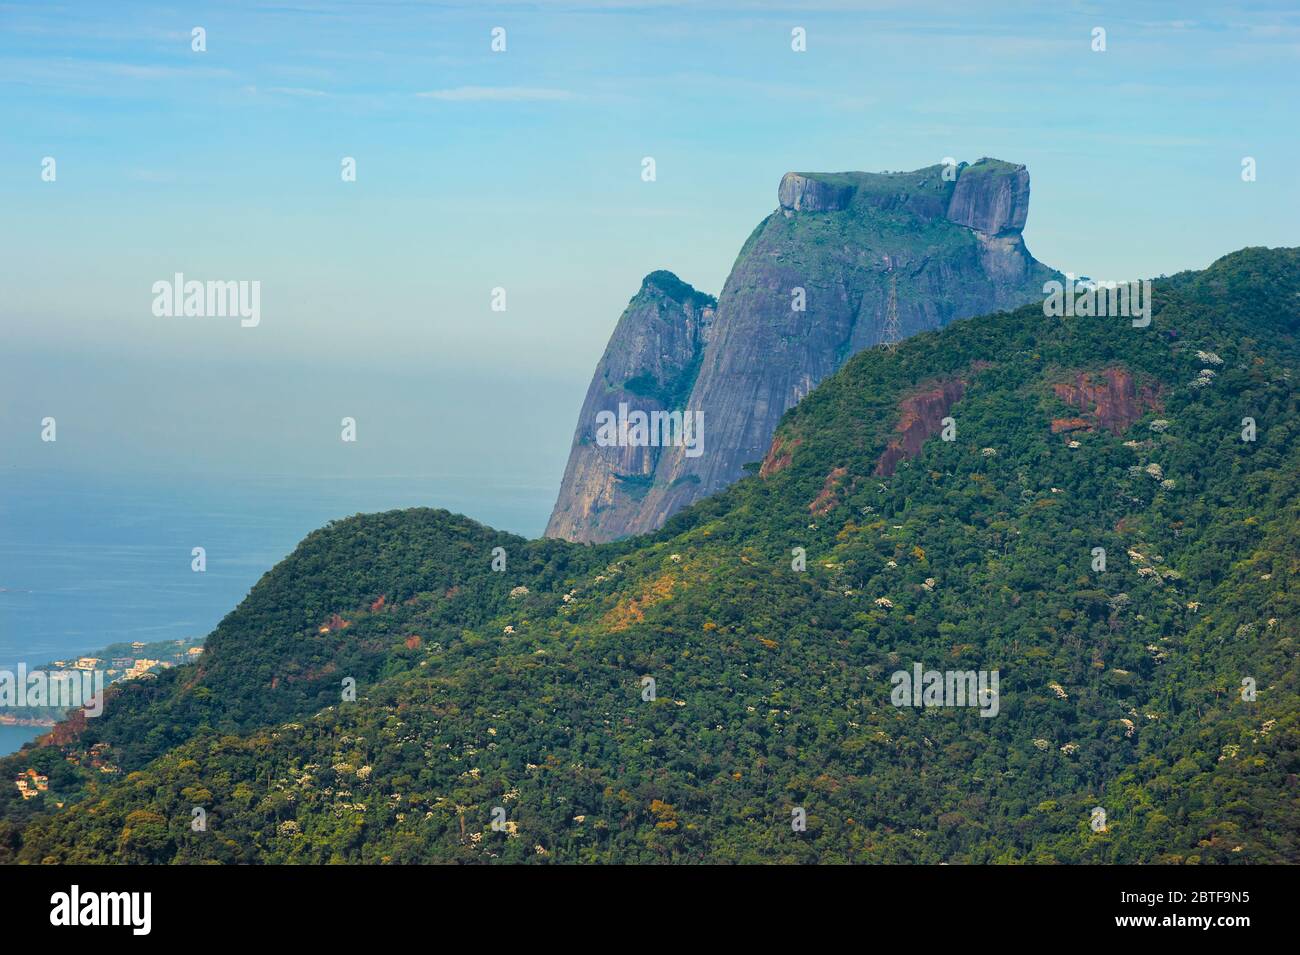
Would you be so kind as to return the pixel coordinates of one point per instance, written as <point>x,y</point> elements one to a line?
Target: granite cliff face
<point>991,198</point>
<point>650,364</point>
<point>809,289</point>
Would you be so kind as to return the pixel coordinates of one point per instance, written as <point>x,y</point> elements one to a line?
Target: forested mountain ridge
<point>1120,689</point>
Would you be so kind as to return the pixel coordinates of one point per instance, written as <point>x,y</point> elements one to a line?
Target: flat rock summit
<point>809,289</point>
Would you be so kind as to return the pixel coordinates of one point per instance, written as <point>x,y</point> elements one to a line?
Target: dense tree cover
<point>1119,689</point>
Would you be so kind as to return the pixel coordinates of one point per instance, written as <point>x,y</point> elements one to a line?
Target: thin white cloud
<point>254,90</point>
<point>295,91</point>
<point>504,94</point>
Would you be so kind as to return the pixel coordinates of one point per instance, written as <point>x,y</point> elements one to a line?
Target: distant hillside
<point>1125,690</point>
<point>117,661</point>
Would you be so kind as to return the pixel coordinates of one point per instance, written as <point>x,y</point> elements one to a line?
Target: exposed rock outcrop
<point>921,416</point>
<point>1110,398</point>
<point>803,194</point>
<point>828,496</point>
<point>1066,425</point>
<point>809,289</point>
<point>991,197</point>
<point>778,456</point>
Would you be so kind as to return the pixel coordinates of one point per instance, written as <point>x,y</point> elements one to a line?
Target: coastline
<point>7,720</point>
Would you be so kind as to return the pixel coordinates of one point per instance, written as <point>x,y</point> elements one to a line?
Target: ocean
<point>90,560</point>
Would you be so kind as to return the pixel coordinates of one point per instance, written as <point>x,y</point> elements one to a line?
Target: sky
<point>521,169</point>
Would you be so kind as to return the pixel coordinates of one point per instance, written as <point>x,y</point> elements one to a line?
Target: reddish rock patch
<point>778,455</point>
<point>921,417</point>
<point>299,675</point>
<point>67,732</point>
<point>315,673</point>
<point>826,498</point>
<point>1110,398</point>
<point>1060,425</point>
<point>335,622</point>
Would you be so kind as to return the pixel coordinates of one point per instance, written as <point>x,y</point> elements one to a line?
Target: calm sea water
<point>86,561</point>
<point>13,737</point>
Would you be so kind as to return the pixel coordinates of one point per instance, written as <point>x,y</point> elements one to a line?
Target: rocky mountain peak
<point>650,365</point>
<point>992,197</point>
<point>669,285</point>
<point>809,289</point>
<point>805,193</point>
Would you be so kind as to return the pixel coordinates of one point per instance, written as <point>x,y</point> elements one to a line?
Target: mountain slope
<point>1120,689</point>
<point>809,289</point>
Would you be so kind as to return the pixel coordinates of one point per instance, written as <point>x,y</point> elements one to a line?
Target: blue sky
<point>522,170</point>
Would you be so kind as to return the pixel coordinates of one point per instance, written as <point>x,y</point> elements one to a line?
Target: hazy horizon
<point>521,170</point>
